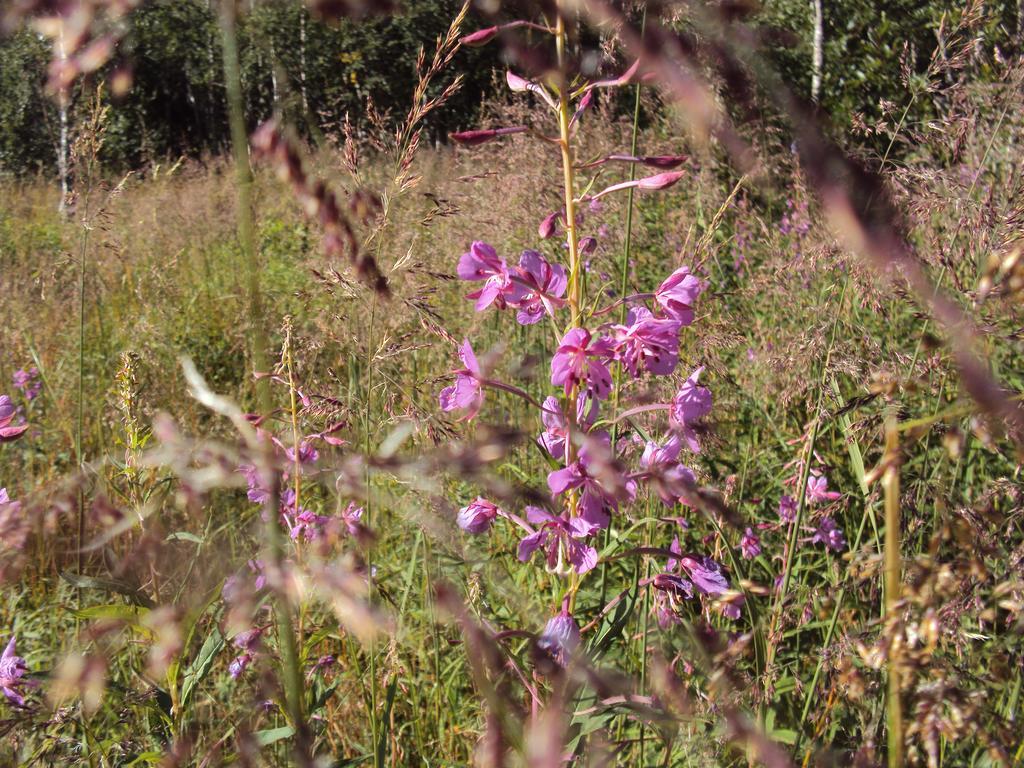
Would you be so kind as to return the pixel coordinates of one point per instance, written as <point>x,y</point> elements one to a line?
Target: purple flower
<point>482,262</point>
<point>787,509</point>
<point>539,288</point>
<point>581,360</point>
<point>709,580</point>
<point>706,574</point>
<point>829,534</point>
<point>239,664</point>
<point>670,590</point>
<point>678,294</point>
<point>352,517</point>
<point>560,638</point>
<point>559,538</point>
<point>12,675</point>
<point>817,490</point>
<point>750,544</point>
<point>598,478</point>
<point>467,392</point>
<point>556,428</point>
<point>9,433</point>
<point>648,342</point>
<point>664,472</point>
<point>477,516</point>
<point>28,382</point>
<point>691,404</point>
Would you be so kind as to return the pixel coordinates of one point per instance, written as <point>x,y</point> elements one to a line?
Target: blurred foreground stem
<point>891,486</point>
<point>247,239</point>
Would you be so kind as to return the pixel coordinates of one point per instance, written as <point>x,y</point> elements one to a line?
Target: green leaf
<point>107,585</point>
<point>117,611</point>
<point>146,758</point>
<point>184,536</point>
<point>200,666</point>
<point>272,735</point>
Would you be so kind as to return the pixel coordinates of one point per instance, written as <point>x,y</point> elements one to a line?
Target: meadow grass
<point>809,354</point>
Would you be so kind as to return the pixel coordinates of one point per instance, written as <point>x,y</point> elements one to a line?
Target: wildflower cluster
<point>583,421</point>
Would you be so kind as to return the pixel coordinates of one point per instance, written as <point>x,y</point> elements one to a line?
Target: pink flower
<point>467,392</point>
<point>9,433</point>
<point>647,343</point>
<point>829,534</point>
<point>560,638</point>
<point>600,482</point>
<point>817,490</point>
<point>678,294</point>
<point>477,516</point>
<point>581,360</point>
<point>482,262</point>
<point>558,537</point>
<point>539,288</point>
<point>706,574</point>
<point>664,472</point>
<point>787,509</point>
<point>352,517</point>
<point>12,675</point>
<point>556,428</point>
<point>690,405</point>
<point>750,544</point>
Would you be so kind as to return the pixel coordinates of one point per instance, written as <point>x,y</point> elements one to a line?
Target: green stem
<point>293,685</point>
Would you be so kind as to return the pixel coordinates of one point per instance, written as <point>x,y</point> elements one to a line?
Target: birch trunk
<point>817,53</point>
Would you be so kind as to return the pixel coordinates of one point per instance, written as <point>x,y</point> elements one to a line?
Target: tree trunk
<point>62,145</point>
<point>817,53</point>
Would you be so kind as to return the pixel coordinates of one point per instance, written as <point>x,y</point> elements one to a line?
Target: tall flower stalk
<point>596,478</point>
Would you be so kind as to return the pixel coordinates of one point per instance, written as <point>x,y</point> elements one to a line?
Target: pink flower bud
<point>547,227</point>
<point>480,37</point>
<point>664,161</point>
<point>480,136</point>
<point>660,181</point>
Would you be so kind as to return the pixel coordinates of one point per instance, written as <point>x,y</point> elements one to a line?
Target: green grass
<point>165,282</point>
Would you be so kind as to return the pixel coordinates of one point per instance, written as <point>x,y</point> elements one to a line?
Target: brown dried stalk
<point>318,202</point>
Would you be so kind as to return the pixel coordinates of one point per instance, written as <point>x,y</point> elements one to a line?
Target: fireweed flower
<point>482,262</point>
<point>352,517</point>
<point>678,294</point>
<point>691,404</point>
<point>709,580</point>
<point>663,471</point>
<point>647,343</point>
<point>9,432</point>
<point>600,482</point>
<point>559,538</point>
<point>477,516</point>
<point>467,392</point>
<point>750,544</point>
<point>787,509</point>
<point>560,638</point>
<point>12,675</point>
<point>539,288</point>
<point>669,591</point>
<point>556,427</point>
<point>28,382</point>
<point>582,360</point>
<point>829,534</point>
<point>817,490</point>
<point>249,643</point>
